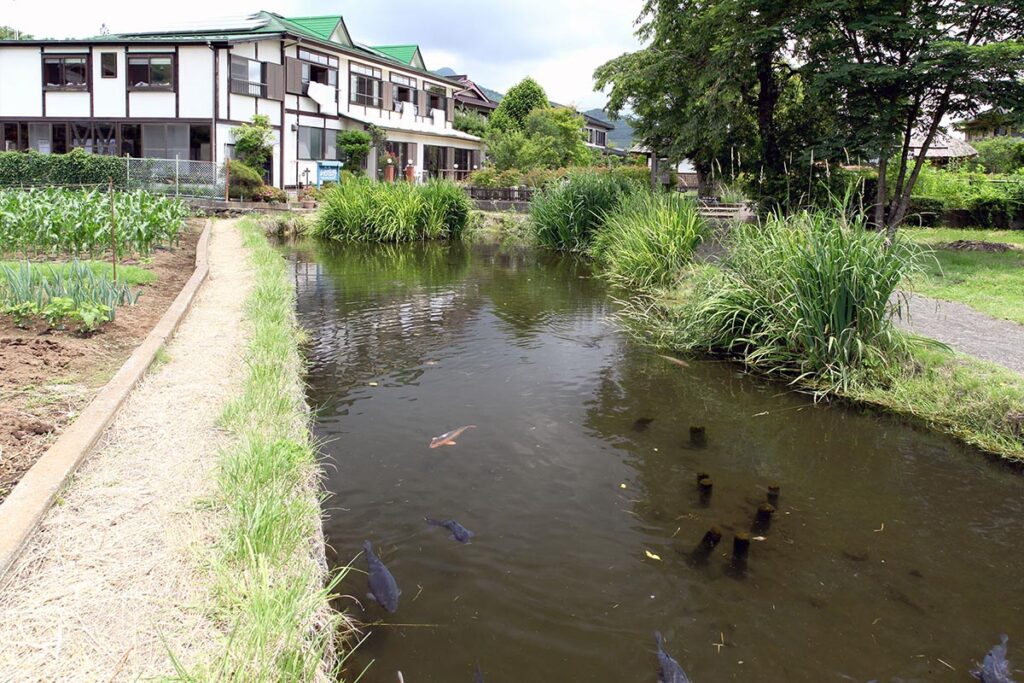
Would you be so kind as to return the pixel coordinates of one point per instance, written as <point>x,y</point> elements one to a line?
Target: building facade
<point>178,95</point>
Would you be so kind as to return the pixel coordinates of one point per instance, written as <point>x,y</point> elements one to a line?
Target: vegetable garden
<point>61,224</point>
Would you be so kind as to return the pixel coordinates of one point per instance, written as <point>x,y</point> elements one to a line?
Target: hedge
<point>77,167</point>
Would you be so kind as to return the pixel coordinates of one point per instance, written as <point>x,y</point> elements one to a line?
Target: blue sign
<point>328,172</point>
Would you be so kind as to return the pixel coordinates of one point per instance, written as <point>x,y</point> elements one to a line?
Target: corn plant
<point>78,222</point>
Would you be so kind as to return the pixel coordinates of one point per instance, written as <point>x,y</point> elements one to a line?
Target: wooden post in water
<point>773,495</point>
<point>763,520</point>
<point>740,546</point>
<point>698,436</point>
<point>708,543</point>
<point>113,227</point>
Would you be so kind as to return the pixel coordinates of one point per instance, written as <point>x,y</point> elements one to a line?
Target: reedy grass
<point>272,593</point>
<point>361,210</point>
<point>38,284</point>
<point>566,214</point>
<point>810,297</point>
<point>647,239</point>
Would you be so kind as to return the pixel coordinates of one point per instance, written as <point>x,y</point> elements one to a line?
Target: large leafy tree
<point>897,70</point>
<point>521,99</point>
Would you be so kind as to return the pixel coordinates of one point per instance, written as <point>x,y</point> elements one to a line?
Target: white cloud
<point>558,42</point>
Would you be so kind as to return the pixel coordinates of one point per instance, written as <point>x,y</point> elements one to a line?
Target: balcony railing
<point>500,194</point>
<point>251,88</point>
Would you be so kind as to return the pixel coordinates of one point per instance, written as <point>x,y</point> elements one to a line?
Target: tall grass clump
<point>566,214</point>
<point>362,210</point>
<point>810,295</point>
<point>647,239</point>
<point>272,588</point>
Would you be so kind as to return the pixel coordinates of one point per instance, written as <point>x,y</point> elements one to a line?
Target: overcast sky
<point>497,42</point>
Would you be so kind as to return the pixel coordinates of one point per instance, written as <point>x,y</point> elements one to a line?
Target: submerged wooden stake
<point>765,512</point>
<point>698,436</point>
<point>740,546</point>
<point>773,495</point>
<point>711,539</point>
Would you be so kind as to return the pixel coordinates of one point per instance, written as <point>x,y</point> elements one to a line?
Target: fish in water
<point>642,424</point>
<point>669,670</point>
<point>383,587</point>
<point>458,532</point>
<point>677,361</point>
<point>996,667</point>
<point>478,675</point>
<point>448,438</point>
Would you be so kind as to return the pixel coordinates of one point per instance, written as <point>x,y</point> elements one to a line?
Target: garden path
<point>112,580</point>
<point>967,330</point>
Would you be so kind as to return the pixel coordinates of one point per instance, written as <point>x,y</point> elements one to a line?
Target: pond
<point>894,554</point>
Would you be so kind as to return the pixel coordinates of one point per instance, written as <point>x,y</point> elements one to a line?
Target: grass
<point>647,239</point>
<point>992,283</point>
<point>272,593</point>
<point>567,214</point>
<point>126,275</point>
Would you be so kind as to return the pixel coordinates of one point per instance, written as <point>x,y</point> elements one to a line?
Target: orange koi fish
<point>448,438</point>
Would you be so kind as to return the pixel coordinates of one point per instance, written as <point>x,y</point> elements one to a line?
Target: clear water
<point>895,554</point>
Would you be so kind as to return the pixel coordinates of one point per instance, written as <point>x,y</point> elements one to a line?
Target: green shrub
<point>1000,154</point>
<point>639,174</point>
<point>353,148</point>
<point>77,167</point>
<point>810,296</point>
<point>380,212</point>
<point>992,207</point>
<point>246,182</point>
<point>925,211</point>
<point>565,215</point>
<point>647,239</point>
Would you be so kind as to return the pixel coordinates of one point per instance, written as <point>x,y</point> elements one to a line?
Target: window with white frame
<point>317,144</point>
<point>403,93</point>
<point>318,68</point>
<point>248,77</point>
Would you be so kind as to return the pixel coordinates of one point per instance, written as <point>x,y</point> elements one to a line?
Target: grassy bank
<point>990,282</point>
<point>809,299</point>
<point>272,592</point>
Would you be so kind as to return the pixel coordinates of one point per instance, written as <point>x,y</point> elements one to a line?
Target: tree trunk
<point>883,166</point>
<point>767,102</point>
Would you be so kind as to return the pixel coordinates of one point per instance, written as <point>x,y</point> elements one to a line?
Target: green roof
<point>403,53</point>
<point>322,27</point>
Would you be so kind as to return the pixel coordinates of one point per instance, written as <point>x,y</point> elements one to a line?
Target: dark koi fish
<point>383,587</point>
<point>458,532</point>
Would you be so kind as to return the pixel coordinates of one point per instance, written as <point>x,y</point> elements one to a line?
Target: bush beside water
<point>809,296</point>
<point>648,238</point>
<point>566,215</point>
<point>362,210</point>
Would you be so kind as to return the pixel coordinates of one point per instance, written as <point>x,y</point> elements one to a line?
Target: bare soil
<point>48,376</point>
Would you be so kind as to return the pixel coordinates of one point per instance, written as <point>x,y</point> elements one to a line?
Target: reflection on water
<point>891,549</point>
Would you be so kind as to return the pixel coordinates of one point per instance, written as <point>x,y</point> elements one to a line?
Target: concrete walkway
<point>967,331</point>
<point>112,580</point>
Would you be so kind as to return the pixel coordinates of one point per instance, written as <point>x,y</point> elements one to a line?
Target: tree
<point>354,148</point>
<point>555,139</point>
<point>470,122</point>
<point>519,101</point>
<point>8,33</point>
<point>254,141</point>
<point>897,69</point>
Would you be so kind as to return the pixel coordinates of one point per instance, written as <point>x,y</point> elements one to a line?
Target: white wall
<point>21,81</point>
<point>67,104</point>
<point>142,104</point>
<point>108,93</point>
<point>195,82</point>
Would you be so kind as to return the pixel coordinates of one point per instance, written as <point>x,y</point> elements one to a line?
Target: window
<point>108,64</point>
<point>15,137</point>
<point>318,68</point>
<point>365,86</point>
<point>131,139</point>
<point>436,99</point>
<point>165,141</point>
<point>247,77</point>
<point>311,143</point>
<point>98,138</point>
<point>67,72</point>
<point>597,137</point>
<point>403,92</point>
<point>463,160</point>
<point>199,148</point>
<point>151,72</point>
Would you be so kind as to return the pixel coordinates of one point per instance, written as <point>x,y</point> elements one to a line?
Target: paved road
<point>968,331</point>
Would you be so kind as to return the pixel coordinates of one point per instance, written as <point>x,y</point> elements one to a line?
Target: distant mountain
<point>446,72</point>
<point>622,136</point>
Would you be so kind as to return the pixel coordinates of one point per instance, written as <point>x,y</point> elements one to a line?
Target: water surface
<point>895,554</point>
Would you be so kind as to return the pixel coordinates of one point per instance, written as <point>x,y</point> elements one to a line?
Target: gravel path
<point>113,578</point>
<point>968,331</point>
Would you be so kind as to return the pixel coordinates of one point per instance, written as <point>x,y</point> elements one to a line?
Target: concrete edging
<point>23,509</point>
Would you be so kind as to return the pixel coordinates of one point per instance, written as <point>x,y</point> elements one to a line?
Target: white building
<point>178,93</point>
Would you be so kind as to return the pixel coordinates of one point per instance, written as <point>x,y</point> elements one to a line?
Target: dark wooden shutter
<point>451,109</point>
<point>275,81</point>
<point>411,152</point>
<point>293,69</point>
<point>388,90</point>
<point>423,103</point>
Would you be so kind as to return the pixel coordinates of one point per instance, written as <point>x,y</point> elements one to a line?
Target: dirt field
<point>47,377</point>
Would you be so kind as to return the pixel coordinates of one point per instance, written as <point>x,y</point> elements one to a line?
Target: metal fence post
<point>127,171</point>
<point>176,174</point>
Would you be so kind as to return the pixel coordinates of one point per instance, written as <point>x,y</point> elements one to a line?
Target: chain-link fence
<point>175,177</point>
